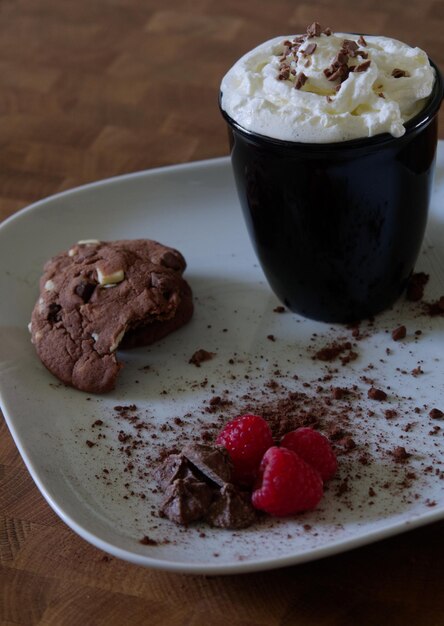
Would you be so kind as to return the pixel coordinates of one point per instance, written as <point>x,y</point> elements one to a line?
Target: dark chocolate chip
<point>54,313</point>
<point>85,290</point>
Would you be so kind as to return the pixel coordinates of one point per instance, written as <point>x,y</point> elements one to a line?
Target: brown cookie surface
<point>100,295</point>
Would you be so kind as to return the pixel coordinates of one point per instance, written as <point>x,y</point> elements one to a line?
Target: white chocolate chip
<point>117,340</point>
<point>38,336</point>
<point>95,336</point>
<point>49,285</point>
<point>110,279</point>
<point>88,242</point>
<point>71,252</point>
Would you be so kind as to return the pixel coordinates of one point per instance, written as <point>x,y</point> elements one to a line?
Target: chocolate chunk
<point>399,333</point>
<point>340,59</point>
<point>212,461</point>
<point>85,290</point>
<point>310,48</point>
<point>174,467</point>
<point>172,259</point>
<point>54,313</point>
<point>186,500</point>
<point>231,509</point>
<point>376,394</point>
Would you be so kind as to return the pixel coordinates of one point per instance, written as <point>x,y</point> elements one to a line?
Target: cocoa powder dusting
<point>353,405</point>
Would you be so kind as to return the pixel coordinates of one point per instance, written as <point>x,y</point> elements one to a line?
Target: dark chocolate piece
<point>232,509</point>
<point>186,500</point>
<point>174,467</point>
<point>212,461</point>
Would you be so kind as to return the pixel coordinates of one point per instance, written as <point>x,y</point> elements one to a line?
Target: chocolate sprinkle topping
<point>314,30</point>
<point>301,79</point>
<point>397,73</point>
<point>364,66</point>
<point>310,48</point>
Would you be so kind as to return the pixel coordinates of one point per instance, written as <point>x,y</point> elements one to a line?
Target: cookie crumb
<point>200,356</point>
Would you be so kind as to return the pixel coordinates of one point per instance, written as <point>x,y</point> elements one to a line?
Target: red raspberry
<point>286,484</point>
<point>246,439</point>
<point>314,448</point>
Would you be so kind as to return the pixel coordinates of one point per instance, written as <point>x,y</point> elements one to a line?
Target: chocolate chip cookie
<point>99,296</point>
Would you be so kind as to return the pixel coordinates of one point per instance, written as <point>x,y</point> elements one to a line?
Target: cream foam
<point>369,100</point>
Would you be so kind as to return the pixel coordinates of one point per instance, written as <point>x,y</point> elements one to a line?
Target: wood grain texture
<point>94,88</point>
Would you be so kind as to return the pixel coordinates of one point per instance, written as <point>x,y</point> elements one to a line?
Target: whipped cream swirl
<point>325,87</point>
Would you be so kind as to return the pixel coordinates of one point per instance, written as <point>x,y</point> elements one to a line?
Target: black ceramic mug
<point>338,227</point>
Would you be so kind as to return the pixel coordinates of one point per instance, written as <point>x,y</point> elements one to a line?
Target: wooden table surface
<point>94,88</point>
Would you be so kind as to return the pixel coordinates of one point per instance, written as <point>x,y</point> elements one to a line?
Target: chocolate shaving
<point>363,67</point>
<point>310,48</point>
<point>361,41</point>
<point>301,79</point>
<point>314,30</point>
<point>338,68</point>
<point>284,72</point>
<point>398,73</point>
<point>350,47</point>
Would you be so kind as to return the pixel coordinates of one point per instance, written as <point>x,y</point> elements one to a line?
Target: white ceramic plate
<point>112,505</point>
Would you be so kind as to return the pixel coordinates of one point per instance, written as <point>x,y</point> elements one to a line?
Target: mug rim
<point>412,126</point>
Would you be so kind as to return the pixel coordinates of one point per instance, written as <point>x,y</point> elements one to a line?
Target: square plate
<point>98,476</point>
